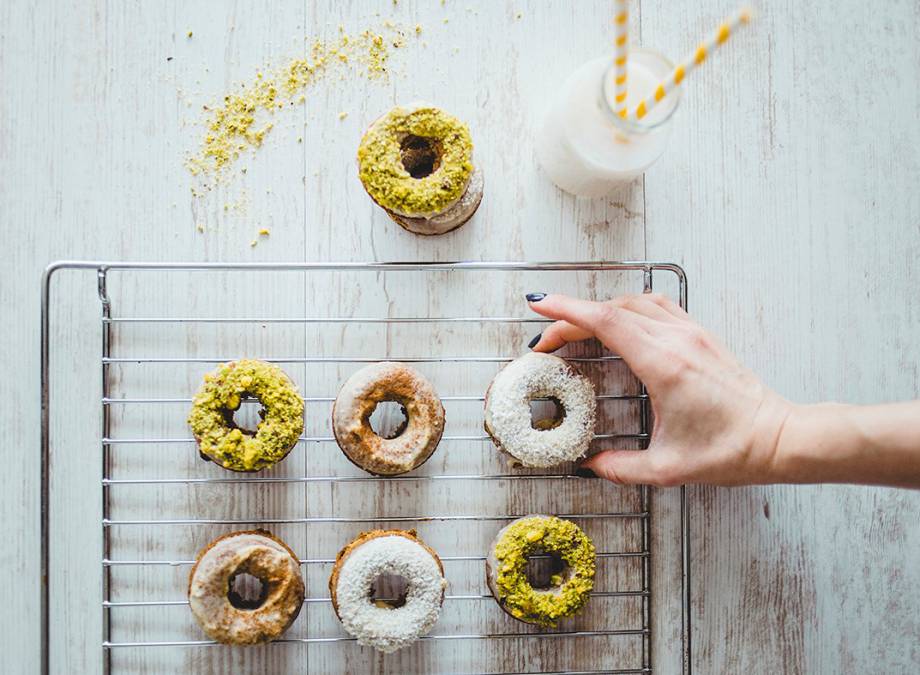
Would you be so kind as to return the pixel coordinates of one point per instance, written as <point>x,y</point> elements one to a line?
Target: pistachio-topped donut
<point>507,410</point>
<point>226,616</point>
<point>506,568</point>
<point>221,441</point>
<point>416,162</point>
<point>416,439</point>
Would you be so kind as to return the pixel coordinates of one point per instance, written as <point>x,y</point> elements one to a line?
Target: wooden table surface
<point>788,193</point>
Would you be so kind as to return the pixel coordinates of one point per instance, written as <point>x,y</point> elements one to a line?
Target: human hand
<point>714,420</point>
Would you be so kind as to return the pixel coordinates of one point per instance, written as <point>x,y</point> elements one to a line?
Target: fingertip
<point>622,467</point>
<point>596,464</point>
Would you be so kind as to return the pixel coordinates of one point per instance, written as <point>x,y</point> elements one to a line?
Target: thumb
<point>623,467</point>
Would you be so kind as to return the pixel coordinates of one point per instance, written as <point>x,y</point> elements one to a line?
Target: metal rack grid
<point>110,323</point>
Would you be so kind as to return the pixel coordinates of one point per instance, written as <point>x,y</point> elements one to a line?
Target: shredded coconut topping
<point>388,629</point>
<point>507,410</point>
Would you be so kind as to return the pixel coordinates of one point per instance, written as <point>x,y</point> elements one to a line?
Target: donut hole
<point>546,413</point>
<point>247,416</point>
<point>389,590</point>
<point>420,156</point>
<point>545,570</point>
<point>246,591</point>
<point>389,419</point>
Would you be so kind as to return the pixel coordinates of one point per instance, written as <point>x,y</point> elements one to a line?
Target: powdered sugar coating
<point>507,410</point>
<point>388,629</point>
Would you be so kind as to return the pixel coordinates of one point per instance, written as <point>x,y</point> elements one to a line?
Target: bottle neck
<point>645,70</point>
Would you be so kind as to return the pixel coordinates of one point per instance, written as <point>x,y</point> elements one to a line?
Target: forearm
<point>833,443</point>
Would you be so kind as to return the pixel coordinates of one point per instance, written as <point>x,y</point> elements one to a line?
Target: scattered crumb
<point>199,227</point>
<point>238,123</point>
<point>253,243</point>
<point>169,58</point>
<point>189,34</point>
<point>343,115</point>
<point>418,29</point>
<point>446,20</point>
<point>264,232</point>
<point>300,139</point>
<point>519,15</point>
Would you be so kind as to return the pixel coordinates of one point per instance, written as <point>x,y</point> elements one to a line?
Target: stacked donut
<point>416,163</point>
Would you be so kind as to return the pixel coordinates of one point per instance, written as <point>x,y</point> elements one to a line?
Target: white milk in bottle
<point>588,150</point>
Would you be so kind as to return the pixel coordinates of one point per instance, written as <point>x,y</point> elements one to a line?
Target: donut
<point>506,567</point>
<point>416,163</point>
<point>221,441</point>
<point>223,614</point>
<point>378,624</point>
<point>360,395</point>
<point>507,410</point>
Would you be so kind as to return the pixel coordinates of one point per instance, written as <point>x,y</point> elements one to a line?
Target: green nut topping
<point>388,181</point>
<point>211,417</point>
<point>537,534</point>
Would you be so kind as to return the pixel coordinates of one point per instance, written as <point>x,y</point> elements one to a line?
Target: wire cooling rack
<point>160,504</point>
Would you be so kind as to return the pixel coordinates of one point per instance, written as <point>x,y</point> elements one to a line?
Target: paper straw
<point>689,64</point>
<point>620,55</point>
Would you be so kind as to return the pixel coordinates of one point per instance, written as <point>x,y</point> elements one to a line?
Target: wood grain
<point>787,193</point>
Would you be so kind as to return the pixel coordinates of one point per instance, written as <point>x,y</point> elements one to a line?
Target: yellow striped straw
<point>689,64</point>
<point>620,55</point>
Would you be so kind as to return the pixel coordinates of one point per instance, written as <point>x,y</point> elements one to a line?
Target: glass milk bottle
<point>584,146</point>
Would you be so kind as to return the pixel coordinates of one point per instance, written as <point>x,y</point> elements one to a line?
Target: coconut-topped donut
<point>379,624</point>
<point>415,440</point>
<point>416,162</point>
<point>506,567</point>
<point>221,441</point>
<point>507,410</point>
<point>226,616</point>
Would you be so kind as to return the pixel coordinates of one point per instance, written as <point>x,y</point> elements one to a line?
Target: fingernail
<point>584,472</point>
<point>533,343</point>
<point>535,297</point>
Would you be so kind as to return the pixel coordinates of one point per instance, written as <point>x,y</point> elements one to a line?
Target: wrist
<point>767,431</point>
<point>814,443</point>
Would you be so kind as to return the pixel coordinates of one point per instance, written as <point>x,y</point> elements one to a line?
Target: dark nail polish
<point>535,297</point>
<point>584,472</point>
<point>533,343</point>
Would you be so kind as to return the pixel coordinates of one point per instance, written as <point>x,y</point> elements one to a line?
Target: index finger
<point>621,330</point>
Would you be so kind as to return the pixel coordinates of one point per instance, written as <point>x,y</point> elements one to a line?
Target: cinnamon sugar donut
<point>379,624</point>
<point>356,402</point>
<point>226,617</point>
